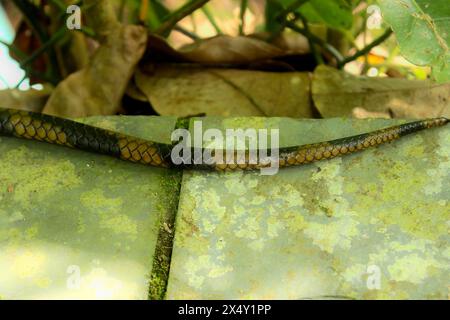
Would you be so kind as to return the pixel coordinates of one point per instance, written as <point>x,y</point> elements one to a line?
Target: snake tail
<point>339,147</point>
<point>54,130</point>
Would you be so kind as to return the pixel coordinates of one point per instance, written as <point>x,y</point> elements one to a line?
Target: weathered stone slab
<point>370,225</point>
<point>75,224</point>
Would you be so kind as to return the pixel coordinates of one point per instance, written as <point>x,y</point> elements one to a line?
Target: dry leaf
<point>158,50</point>
<point>135,93</point>
<point>98,88</point>
<point>226,92</point>
<point>31,100</point>
<point>224,49</point>
<point>361,113</point>
<point>337,94</point>
<point>227,49</point>
<point>290,43</point>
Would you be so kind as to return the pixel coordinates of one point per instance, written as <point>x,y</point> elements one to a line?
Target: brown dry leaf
<point>227,49</point>
<point>290,43</point>
<point>226,92</point>
<point>98,88</point>
<point>285,53</point>
<point>361,113</point>
<point>30,100</point>
<point>135,93</point>
<point>337,94</point>
<point>158,50</point>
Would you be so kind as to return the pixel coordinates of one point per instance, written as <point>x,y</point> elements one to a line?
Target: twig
<point>58,35</point>
<point>28,9</point>
<point>316,54</point>
<point>282,18</point>
<point>32,72</point>
<point>87,31</point>
<point>187,33</point>
<point>14,49</point>
<point>244,5</point>
<point>21,81</point>
<point>156,10</point>
<point>366,49</point>
<point>179,14</point>
<point>211,19</point>
<point>312,37</point>
<point>22,56</point>
<point>291,8</point>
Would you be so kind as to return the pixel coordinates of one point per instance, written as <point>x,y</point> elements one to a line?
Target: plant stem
<point>28,70</point>
<point>187,33</point>
<point>21,81</point>
<point>244,4</point>
<point>312,37</point>
<point>282,18</point>
<point>58,35</point>
<point>366,49</point>
<point>179,14</point>
<point>316,54</point>
<point>211,20</point>
<point>87,31</point>
<point>291,8</point>
<point>14,50</point>
<point>28,9</point>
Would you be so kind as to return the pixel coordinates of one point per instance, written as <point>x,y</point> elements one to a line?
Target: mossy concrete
<point>371,225</point>
<point>75,224</point>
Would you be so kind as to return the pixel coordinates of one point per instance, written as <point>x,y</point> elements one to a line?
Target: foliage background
<point>121,40</point>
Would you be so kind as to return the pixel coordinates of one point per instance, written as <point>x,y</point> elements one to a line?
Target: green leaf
<point>156,13</point>
<point>335,14</point>
<point>422,30</point>
<point>272,9</point>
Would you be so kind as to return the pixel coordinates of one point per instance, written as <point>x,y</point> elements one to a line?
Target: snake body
<point>54,130</point>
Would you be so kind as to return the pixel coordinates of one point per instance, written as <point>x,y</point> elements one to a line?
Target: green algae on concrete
<point>75,224</point>
<point>371,225</point>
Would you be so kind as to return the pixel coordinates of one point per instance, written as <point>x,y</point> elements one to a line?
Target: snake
<point>73,134</point>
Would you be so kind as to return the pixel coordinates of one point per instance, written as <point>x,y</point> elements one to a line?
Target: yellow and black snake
<point>41,127</point>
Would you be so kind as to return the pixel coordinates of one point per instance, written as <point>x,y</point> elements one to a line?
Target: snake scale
<point>54,130</point>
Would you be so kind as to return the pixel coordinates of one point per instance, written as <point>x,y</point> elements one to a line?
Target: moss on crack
<point>167,206</point>
<point>170,186</point>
